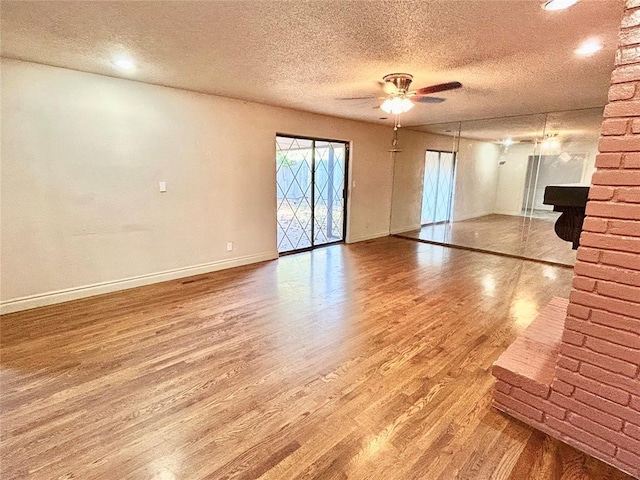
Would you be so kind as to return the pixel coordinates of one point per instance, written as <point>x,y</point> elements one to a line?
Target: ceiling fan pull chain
<point>396,125</point>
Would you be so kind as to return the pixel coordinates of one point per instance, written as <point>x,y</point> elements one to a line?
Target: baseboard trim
<point>407,228</point>
<point>74,293</point>
<point>368,237</point>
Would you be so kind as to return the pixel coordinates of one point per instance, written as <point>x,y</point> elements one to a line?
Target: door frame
<point>345,190</point>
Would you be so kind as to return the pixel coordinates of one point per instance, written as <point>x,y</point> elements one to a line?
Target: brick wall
<point>593,402</point>
<point>597,375</point>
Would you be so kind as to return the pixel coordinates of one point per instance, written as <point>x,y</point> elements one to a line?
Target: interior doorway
<point>437,187</point>
<point>311,175</point>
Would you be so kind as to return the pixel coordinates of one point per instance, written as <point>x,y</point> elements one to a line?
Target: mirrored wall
<point>480,184</point>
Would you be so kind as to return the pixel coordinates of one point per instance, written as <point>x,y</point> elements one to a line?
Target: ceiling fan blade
<point>442,87</point>
<point>365,97</point>
<point>425,99</point>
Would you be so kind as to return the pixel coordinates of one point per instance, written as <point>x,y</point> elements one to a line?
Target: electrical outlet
<point>162,186</point>
<point>229,246</point>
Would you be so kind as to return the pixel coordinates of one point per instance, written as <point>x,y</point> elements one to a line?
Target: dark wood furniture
<point>571,200</point>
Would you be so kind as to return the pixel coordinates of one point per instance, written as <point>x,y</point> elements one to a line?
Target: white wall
<point>512,174</point>
<point>511,178</point>
<point>476,179</point>
<point>588,147</point>
<point>82,156</point>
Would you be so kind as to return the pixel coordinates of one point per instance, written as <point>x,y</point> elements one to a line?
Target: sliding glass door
<point>437,187</point>
<point>311,180</point>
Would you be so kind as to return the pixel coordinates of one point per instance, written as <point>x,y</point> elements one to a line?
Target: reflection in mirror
<point>424,177</point>
<point>480,184</point>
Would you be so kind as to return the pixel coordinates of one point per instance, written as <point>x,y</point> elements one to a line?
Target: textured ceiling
<point>511,56</point>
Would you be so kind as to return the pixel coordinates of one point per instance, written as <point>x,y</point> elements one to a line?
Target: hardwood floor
<point>532,238</point>
<point>363,361</point>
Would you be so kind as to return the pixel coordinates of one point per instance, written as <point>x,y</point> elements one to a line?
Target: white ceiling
<point>511,56</point>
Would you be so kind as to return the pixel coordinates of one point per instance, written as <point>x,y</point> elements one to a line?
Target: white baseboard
<point>370,236</point>
<point>406,228</point>
<point>74,293</point>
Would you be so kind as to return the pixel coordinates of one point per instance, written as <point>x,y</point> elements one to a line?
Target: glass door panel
<point>329,205</point>
<point>311,201</point>
<point>294,160</point>
<point>438,182</point>
<point>445,188</point>
<point>430,187</point>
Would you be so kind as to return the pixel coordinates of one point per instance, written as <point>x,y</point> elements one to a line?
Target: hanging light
<point>397,105</point>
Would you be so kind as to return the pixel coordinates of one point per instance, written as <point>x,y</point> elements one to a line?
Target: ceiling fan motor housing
<point>400,80</point>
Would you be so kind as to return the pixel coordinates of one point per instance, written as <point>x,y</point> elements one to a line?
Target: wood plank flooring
<point>532,238</point>
<point>363,361</point>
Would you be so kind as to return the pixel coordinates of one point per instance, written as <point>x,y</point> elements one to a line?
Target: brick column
<point>597,377</point>
<point>579,380</point>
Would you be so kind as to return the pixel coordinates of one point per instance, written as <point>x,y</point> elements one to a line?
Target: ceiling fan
<point>399,99</point>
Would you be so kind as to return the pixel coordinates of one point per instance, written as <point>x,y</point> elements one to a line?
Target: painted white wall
<point>476,179</point>
<point>81,158</point>
<point>511,178</point>
<point>512,174</point>
<point>590,148</point>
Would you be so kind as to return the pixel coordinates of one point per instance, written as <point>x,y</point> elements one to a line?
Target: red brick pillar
<point>597,375</point>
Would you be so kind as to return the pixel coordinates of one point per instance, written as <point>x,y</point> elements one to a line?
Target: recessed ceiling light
<point>508,142</point>
<point>125,64</point>
<point>589,47</point>
<point>554,5</point>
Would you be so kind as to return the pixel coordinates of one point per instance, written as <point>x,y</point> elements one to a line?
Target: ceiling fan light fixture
<point>555,5</point>
<point>551,142</point>
<point>397,105</point>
